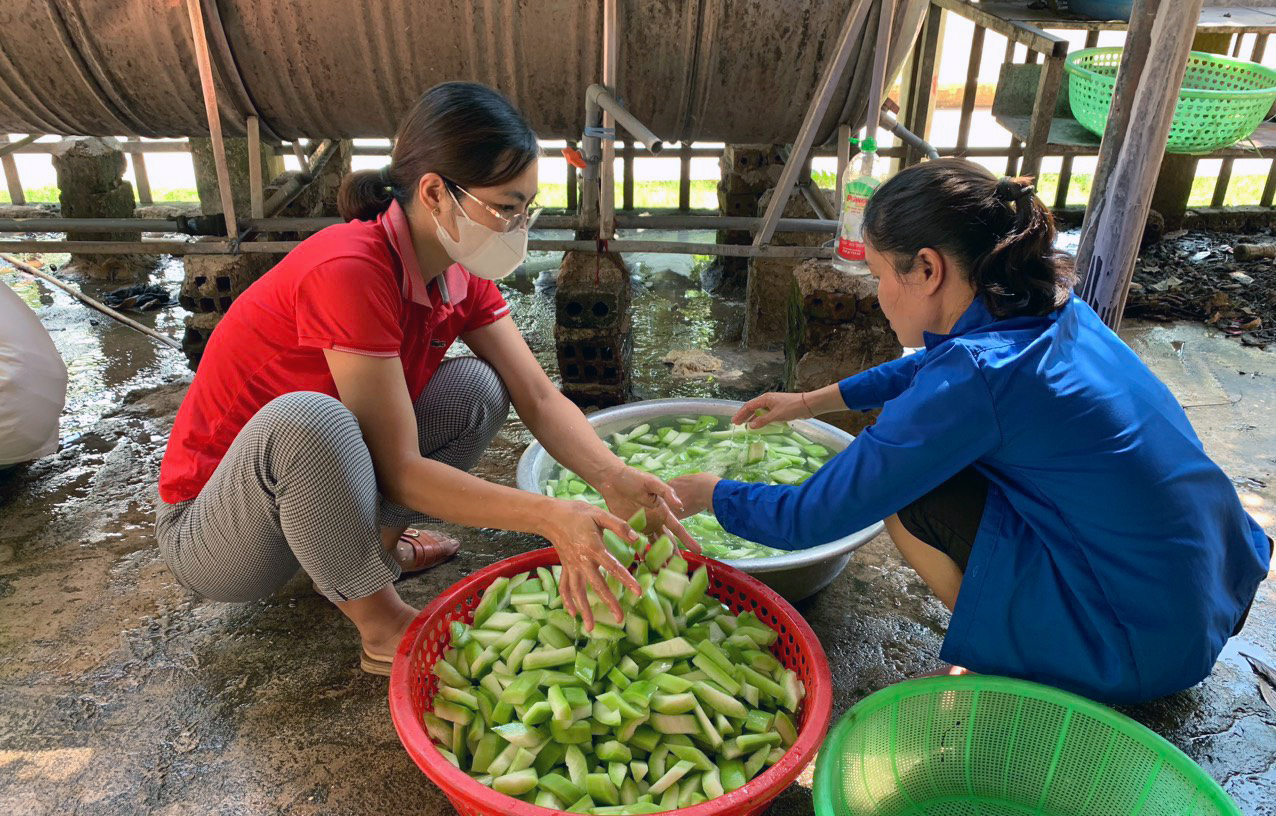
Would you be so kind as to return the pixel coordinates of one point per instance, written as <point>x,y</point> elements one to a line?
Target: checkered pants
<point>297,489</point>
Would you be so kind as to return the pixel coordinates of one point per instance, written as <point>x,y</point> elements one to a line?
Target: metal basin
<point>796,575</point>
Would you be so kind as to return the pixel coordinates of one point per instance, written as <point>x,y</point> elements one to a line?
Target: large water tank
<point>718,70</point>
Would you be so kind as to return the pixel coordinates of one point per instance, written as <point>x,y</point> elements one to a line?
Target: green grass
<point>1244,190</point>
<point>49,195</point>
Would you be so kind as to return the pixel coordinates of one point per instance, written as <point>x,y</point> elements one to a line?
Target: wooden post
<point>1065,170</point>
<point>971,90</point>
<point>1174,182</point>
<point>611,58</point>
<point>1147,84</point>
<point>876,86</point>
<point>684,177</point>
<point>1012,155</point>
<point>137,158</point>
<point>1269,189</point>
<point>208,86</point>
<point>843,158</point>
<point>1043,111</point>
<point>829,80</point>
<point>255,182</point>
<point>1220,187</point>
<point>16,194</point>
<point>572,180</point>
<point>627,196</point>
<point>920,100</point>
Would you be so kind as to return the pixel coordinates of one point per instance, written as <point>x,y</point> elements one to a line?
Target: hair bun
<point>1012,189</point>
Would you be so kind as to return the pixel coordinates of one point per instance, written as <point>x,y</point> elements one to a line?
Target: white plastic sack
<point>32,383</point>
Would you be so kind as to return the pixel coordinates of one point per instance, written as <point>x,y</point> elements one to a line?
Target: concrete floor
<point>120,693</point>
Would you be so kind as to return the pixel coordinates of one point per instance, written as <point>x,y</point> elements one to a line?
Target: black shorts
<point>947,518</point>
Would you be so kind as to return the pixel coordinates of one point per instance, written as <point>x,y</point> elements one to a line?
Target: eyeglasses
<point>518,221</point>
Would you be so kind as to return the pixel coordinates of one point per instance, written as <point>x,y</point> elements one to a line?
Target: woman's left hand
<point>627,489</point>
<point>696,492</point>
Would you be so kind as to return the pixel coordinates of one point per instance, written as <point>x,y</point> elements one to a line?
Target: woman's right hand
<point>575,529</point>
<point>777,406</point>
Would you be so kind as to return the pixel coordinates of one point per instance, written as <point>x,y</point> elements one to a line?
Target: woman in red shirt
<point>324,419</point>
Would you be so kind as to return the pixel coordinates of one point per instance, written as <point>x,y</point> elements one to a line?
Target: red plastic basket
<point>413,685</point>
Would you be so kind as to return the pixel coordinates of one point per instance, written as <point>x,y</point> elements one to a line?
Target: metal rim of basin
<point>535,463</point>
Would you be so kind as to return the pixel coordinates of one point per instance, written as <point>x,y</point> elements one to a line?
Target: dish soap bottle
<point>859,181</point>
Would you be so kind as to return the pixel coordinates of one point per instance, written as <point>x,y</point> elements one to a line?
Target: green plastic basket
<point>1222,100</point>
<point>993,746</point>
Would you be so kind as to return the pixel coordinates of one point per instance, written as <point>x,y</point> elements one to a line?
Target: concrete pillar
<point>199,328</point>
<point>835,329</point>
<point>210,286</point>
<point>91,184</point>
<point>213,282</point>
<point>593,332</point>
<point>746,172</point>
<point>210,202</point>
<point>770,279</point>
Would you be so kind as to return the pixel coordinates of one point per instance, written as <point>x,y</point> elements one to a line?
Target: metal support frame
<point>209,87</point>
<point>814,115</point>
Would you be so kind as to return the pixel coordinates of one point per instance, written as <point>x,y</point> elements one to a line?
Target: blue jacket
<point>1114,557</point>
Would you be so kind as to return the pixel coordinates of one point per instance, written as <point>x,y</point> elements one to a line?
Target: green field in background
<point>1244,190</point>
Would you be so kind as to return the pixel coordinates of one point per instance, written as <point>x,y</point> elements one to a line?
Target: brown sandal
<point>372,664</point>
<point>419,550</point>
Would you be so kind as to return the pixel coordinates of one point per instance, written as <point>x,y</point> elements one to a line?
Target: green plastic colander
<point>1222,100</point>
<point>992,746</point>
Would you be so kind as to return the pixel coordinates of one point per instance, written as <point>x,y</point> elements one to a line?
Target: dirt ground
<point>121,693</point>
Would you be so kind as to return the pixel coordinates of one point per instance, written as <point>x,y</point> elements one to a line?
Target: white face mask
<point>484,252</point>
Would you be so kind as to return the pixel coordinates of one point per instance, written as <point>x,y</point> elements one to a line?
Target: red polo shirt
<point>352,287</point>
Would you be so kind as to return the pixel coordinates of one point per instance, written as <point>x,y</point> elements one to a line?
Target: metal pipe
<point>908,137</point>
<point>209,88</point>
<point>13,147</point>
<point>540,245</point>
<point>85,299</point>
<point>97,224</point>
<point>600,96</point>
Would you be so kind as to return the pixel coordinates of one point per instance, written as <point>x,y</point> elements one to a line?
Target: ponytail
<point>997,230</point>
<point>364,195</point>
<point>467,133</point>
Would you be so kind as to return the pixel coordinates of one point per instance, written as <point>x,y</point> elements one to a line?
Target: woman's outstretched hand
<point>575,529</point>
<point>696,491</point>
<point>628,490</point>
<point>776,406</point>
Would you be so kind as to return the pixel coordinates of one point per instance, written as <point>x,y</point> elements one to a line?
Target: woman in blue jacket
<point>1040,479</point>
